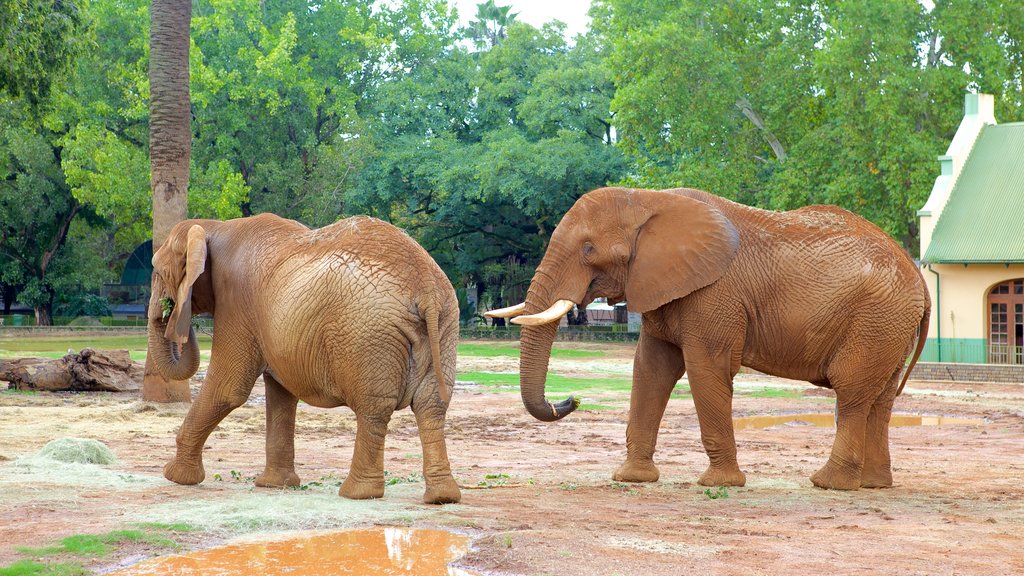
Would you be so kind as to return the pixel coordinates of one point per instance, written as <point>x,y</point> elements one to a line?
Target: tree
<point>170,145</point>
<point>38,41</point>
<point>170,114</point>
<point>479,155</point>
<point>38,214</point>
<point>784,104</point>
<point>491,23</point>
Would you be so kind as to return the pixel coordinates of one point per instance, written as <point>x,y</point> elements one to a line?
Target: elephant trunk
<point>172,361</point>
<point>534,354</point>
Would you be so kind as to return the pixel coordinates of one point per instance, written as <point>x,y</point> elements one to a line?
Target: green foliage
<point>786,104</point>
<point>476,140</point>
<point>491,21</point>
<point>479,155</point>
<point>391,480</point>
<point>38,41</point>
<point>717,494</point>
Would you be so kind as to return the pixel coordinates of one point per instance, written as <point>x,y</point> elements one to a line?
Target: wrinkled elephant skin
<point>354,314</point>
<point>816,294</point>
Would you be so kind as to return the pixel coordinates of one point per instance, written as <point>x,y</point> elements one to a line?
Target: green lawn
<point>51,347</point>
<point>556,384</point>
<point>508,350</point>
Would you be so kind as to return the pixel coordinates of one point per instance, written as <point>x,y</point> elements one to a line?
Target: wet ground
<point>538,498</point>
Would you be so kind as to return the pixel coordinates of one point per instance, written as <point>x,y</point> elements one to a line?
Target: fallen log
<point>89,371</point>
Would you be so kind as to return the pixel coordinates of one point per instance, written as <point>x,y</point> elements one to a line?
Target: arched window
<point>1006,323</point>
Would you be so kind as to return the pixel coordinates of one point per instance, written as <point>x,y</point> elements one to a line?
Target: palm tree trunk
<point>170,141</point>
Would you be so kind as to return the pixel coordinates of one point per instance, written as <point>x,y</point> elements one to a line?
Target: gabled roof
<point>983,220</point>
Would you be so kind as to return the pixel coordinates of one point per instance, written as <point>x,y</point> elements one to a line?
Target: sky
<point>536,12</point>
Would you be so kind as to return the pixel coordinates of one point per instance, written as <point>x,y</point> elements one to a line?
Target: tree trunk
<point>10,292</point>
<point>92,370</point>
<point>744,106</point>
<point>170,141</point>
<point>43,317</point>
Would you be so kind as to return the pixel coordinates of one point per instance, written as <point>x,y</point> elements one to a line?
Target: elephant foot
<point>877,479</point>
<point>181,473</point>
<point>442,491</point>
<point>833,477</point>
<point>722,477</point>
<point>637,471</point>
<point>361,489</point>
<point>277,478</point>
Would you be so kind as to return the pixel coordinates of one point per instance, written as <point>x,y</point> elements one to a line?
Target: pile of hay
<point>78,451</point>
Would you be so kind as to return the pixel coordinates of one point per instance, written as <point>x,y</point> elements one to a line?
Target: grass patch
<point>505,350</point>
<point>176,527</point>
<point>556,384</point>
<point>98,545</point>
<point>30,568</point>
<point>487,350</point>
<point>595,407</point>
<point>770,393</point>
<point>50,347</point>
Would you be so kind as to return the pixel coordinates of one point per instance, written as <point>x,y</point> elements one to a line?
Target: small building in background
<point>129,298</point>
<point>972,242</point>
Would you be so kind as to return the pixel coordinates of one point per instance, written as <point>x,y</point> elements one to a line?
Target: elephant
<point>354,314</point>
<point>816,294</point>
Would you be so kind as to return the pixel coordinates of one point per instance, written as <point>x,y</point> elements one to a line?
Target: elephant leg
<point>857,390</point>
<point>280,466</point>
<point>877,472</point>
<point>657,367</point>
<point>224,390</point>
<point>711,385</point>
<point>437,472</point>
<point>366,475</point>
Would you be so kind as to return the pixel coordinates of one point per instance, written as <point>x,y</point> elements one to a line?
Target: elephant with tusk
<point>817,294</point>
<point>354,314</point>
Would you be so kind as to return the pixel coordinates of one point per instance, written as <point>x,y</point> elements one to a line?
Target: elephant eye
<point>588,249</point>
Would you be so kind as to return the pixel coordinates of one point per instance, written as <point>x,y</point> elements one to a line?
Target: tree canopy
<point>477,139</point>
<point>786,104</point>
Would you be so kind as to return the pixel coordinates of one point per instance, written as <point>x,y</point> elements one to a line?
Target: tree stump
<point>90,371</point>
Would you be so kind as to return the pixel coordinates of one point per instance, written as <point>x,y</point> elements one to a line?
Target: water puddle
<point>384,551</point>
<point>828,420</point>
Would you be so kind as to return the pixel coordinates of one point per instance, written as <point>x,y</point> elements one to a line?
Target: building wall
<point>959,315</point>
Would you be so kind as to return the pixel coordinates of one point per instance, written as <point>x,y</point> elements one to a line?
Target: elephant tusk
<point>509,312</point>
<point>552,314</point>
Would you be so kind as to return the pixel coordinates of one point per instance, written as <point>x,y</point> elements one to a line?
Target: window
<point>1006,323</point>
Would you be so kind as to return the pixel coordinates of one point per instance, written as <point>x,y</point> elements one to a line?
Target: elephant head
<point>645,247</point>
<point>176,267</point>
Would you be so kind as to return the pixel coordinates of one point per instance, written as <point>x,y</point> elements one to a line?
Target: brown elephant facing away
<point>817,294</point>
<point>354,314</point>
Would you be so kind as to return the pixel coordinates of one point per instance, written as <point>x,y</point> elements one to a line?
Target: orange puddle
<point>381,551</point>
<point>828,420</point>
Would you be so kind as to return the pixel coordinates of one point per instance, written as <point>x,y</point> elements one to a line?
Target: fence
<point>29,320</point>
<point>971,351</point>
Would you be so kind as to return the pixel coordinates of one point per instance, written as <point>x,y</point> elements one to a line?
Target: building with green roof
<point>972,242</point>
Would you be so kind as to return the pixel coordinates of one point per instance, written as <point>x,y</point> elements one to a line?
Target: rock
<point>91,370</point>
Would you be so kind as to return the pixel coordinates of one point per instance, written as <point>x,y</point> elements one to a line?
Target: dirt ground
<point>548,505</point>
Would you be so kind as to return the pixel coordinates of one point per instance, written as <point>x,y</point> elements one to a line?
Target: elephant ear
<point>683,246</point>
<point>180,321</point>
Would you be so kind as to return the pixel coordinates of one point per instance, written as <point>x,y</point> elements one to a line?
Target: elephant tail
<point>922,337</point>
<point>431,315</point>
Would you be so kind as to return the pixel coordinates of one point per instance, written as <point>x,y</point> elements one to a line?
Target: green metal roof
<point>983,221</point>
<point>139,267</point>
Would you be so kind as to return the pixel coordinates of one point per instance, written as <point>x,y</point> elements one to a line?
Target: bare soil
<point>548,505</point>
